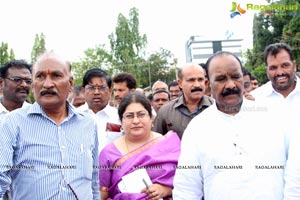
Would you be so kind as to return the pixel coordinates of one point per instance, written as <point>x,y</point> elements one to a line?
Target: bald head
<point>192,81</point>
<point>52,56</point>
<point>189,67</point>
<point>52,82</point>
<point>159,85</point>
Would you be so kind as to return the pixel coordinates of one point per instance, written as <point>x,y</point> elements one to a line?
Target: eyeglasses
<point>131,115</point>
<point>19,80</point>
<point>92,88</point>
<point>247,85</point>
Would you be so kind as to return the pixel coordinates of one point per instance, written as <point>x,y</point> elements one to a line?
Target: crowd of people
<point>216,133</point>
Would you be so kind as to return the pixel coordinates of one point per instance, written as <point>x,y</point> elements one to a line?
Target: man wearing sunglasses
<point>15,81</point>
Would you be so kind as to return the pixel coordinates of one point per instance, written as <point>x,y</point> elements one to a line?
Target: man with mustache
<point>97,90</point>
<point>221,159</point>
<point>283,90</point>
<point>281,95</point>
<point>176,114</point>
<point>15,81</point>
<point>49,150</point>
<point>174,90</point>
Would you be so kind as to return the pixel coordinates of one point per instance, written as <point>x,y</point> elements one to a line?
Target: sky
<point>72,26</point>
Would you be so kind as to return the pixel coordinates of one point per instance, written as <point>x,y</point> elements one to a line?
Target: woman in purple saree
<point>139,148</point>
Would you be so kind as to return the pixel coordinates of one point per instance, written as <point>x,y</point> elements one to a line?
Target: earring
<point>122,130</point>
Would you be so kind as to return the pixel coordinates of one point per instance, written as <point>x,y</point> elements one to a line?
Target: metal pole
<point>149,71</point>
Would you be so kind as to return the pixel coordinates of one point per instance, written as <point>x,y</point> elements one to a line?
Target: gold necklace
<point>126,144</point>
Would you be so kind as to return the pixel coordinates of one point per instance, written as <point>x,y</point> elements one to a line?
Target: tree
<point>260,73</point>
<point>5,53</point>
<point>127,53</point>
<point>270,27</point>
<point>158,67</point>
<point>291,29</point>
<point>38,47</point>
<point>94,57</point>
<point>127,45</point>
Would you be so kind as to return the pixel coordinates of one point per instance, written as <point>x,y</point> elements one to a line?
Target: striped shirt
<point>42,160</point>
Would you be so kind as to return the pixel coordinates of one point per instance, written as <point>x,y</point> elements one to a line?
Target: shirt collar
<point>205,101</point>
<point>37,109</point>
<point>295,90</point>
<point>107,109</point>
<point>3,109</point>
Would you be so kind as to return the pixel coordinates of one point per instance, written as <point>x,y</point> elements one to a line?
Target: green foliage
<point>270,27</point>
<point>128,46</point>
<point>159,67</point>
<point>6,54</point>
<point>262,37</point>
<point>38,47</point>
<point>260,73</point>
<point>127,53</point>
<point>94,57</point>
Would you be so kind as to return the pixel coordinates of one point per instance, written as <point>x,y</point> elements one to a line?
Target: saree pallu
<point>158,156</point>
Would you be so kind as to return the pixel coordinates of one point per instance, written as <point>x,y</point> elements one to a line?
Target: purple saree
<point>159,156</point>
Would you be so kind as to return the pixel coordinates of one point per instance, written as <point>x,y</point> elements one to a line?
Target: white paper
<point>133,182</point>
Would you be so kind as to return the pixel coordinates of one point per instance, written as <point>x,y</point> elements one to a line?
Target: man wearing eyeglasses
<point>15,81</point>
<point>174,90</point>
<point>97,90</point>
<point>247,83</point>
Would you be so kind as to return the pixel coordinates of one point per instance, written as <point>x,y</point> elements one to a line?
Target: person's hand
<point>157,191</point>
<point>248,96</point>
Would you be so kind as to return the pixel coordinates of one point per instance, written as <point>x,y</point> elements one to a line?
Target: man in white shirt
<point>227,159</point>
<point>97,90</point>
<point>282,92</point>
<point>292,175</point>
<point>15,81</point>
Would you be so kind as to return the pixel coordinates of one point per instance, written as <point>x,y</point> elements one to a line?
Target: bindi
<point>48,71</point>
